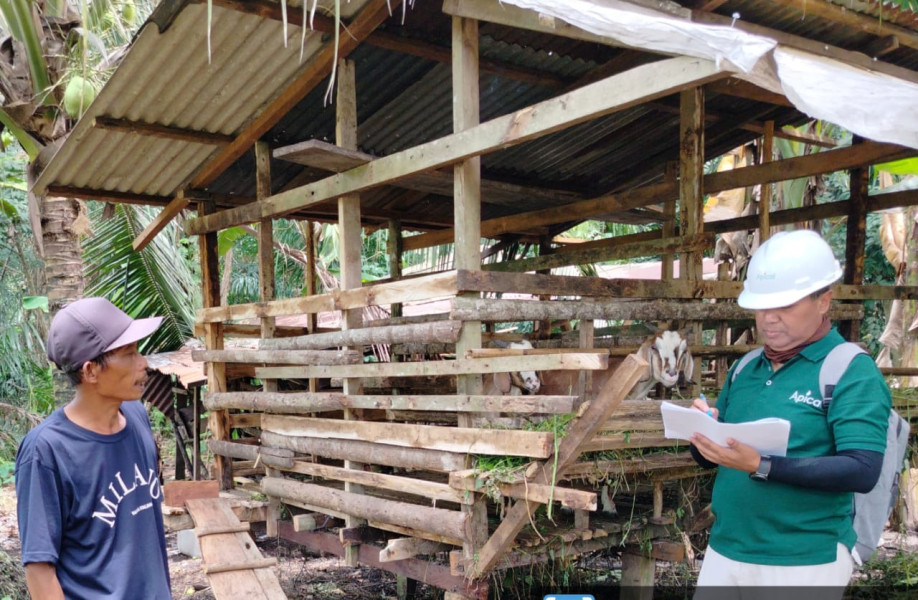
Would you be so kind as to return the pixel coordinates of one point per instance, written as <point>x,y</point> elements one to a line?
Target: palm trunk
<point>61,230</point>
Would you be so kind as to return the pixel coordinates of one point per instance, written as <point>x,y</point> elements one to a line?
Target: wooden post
<point>266,291</point>
<point>691,194</point>
<point>637,577</point>
<point>218,422</point>
<point>394,252</point>
<point>671,175</point>
<point>312,321</point>
<point>586,377</point>
<point>768,141</point>
<point>856,240</point>
<point>351,250</point>
<point>467,216</point>
<point>722,337</point>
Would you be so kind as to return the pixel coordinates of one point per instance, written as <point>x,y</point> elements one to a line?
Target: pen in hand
<point>709,412</point>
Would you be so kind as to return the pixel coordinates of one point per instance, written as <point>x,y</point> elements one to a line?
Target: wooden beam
<point>161,131</point>
<point>579,431</point>
<point>881,46</point>
<point>328,157</point>
<point>495,442</point>
<point>854,19</point>
<point>791,168</point>
<point>423,288</point>
<point>430,490</point>
<point>489,309</point>
<point>312,402</point>
<point>449,523</point>
<point>402,548</point>
<point>591,287</point>
<point>422,570</point>
<point>434,52</point>
<point>280,357</point>
<point>740,88</point>
<point>472,481</point>
<point>372,15</point>
<point>162,219</point>
<point>66,191</point>
<point>691,178</point>
<point>562,360</point>
<point>607,252</point>
<point>616,93</point>
<point>437,331</point>
<point>369,452</point>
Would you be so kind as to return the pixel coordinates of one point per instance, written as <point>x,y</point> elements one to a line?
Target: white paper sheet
<point>768,436</point>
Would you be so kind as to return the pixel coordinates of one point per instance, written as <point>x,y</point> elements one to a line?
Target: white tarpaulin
<point>873,105</point>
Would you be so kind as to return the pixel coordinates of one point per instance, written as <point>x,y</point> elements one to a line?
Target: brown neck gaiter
<point>783,356</point>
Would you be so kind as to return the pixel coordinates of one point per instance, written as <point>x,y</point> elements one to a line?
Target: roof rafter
<point>372,15</point>
<point>616,93</point>
<point>161,131</point>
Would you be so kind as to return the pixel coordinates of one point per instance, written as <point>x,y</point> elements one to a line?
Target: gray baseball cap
<point>87,328</point>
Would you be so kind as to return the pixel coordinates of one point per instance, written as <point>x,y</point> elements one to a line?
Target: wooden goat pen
<point>412,486</point>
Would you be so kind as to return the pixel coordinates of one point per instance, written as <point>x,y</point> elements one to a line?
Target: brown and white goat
<point>667,355</point>
<point>515,383</point>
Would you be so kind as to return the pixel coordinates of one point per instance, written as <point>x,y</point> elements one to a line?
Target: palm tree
<point>55,54</point>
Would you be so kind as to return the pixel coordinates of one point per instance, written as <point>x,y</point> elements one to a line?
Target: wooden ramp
<point>232,562</point>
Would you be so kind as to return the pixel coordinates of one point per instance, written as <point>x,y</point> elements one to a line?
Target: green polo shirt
<point>772,523</point>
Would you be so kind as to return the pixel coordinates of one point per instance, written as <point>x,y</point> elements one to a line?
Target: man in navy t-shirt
<point>86,479</point>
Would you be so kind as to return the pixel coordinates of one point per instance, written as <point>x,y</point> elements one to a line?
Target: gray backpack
<point>870,511</point>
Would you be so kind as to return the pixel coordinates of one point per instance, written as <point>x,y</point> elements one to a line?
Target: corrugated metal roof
<point>167,79</point>
<point>403,99</point>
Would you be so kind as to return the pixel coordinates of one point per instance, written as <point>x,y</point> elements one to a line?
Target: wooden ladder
<point>232,562</point>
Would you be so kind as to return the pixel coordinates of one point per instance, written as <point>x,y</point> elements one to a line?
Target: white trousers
<point>719,572</point>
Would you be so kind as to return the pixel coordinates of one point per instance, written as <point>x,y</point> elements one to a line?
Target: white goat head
<point>527,381</point>
<point>668,355</point>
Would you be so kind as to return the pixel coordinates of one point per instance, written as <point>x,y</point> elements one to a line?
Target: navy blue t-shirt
<point>90,504</point>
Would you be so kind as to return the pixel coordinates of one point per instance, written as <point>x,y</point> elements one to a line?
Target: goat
<point>515,383</point>
<point>667,356</point>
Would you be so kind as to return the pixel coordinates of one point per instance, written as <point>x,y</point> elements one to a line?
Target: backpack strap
<point>833,367</point>
<point>745,360</point>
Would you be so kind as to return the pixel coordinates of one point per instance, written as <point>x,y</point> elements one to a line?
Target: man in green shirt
<point>787,520</point>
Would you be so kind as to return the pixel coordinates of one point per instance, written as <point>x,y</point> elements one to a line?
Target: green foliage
<point>25,380</point>
<point>7,472</point>
<point>153,282</point>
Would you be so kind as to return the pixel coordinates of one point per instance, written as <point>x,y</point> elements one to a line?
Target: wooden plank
<point>235,552</point>
<point>280,357</point>
<point>322,155</point>
<point>605,253</point>
<point>366,452</point>
<point>472,481</point>
<point>449,439</point>
<point>175,493</point>
<point>312,402</point>
<point>646,310</point>
<point>616,93</point>
<point>419,487</point>
<point>372,15</point>
<point>740,88</point>
<point>437,331</point>
<point>402,548</point>
<point>579,431</point>
<point>162,219</point>
<point>161,131</point>
<point>467,366</point>
<point>422,288</point>
<point>449,523</point>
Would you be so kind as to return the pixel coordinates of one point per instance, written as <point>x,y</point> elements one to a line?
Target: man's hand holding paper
<point>765,436</point>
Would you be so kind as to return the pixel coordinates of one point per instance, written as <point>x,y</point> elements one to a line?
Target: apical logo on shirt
<point>807,398</point>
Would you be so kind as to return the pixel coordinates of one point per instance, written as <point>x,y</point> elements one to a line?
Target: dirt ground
<point>307,576</point>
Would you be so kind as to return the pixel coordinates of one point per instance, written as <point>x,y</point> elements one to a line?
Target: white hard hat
<point>787,267</point>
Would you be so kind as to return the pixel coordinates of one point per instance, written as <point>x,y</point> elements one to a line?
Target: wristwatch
<point>764,468</point>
